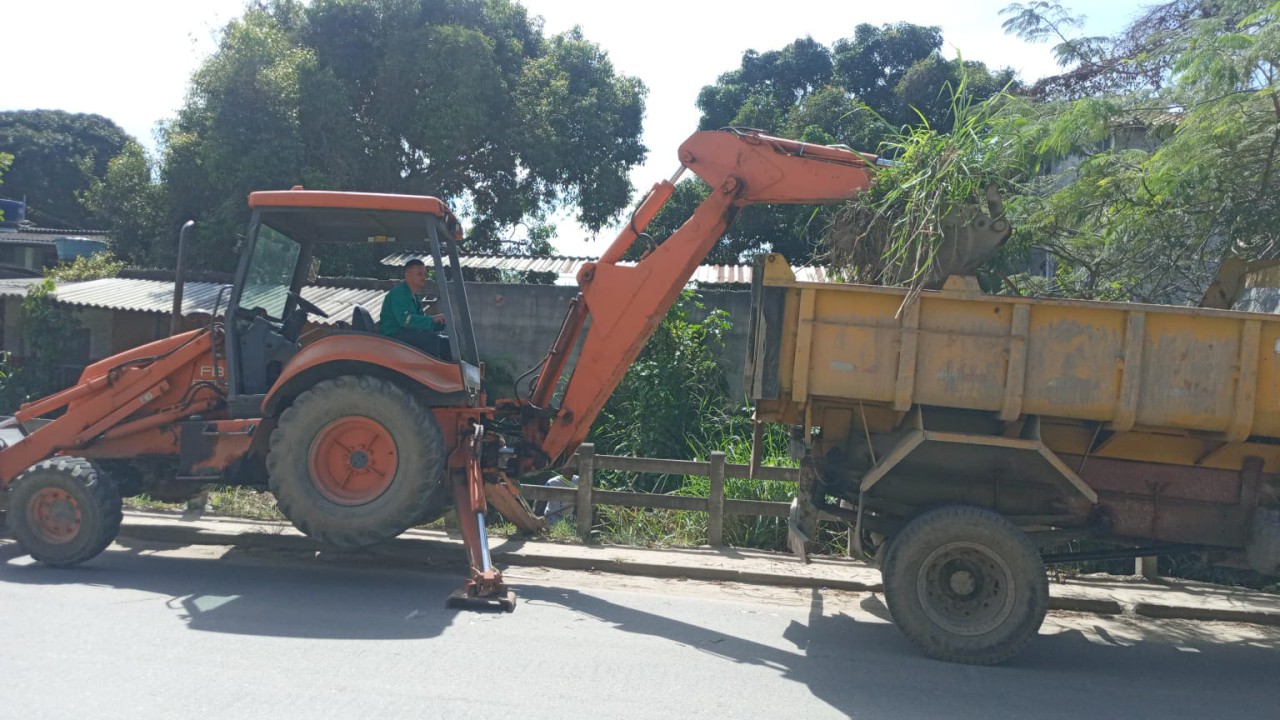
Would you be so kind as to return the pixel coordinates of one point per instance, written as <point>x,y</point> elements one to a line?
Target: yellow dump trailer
<point>985,423</point>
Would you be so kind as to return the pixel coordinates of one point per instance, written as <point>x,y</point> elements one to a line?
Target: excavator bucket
<point>971,236</point>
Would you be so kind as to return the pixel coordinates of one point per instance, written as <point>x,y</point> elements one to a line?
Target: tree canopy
<point>466,100</point>
<point>856,92</point>
<point>1164,141</point>
<point>5,161</point>
<point>56,157</point>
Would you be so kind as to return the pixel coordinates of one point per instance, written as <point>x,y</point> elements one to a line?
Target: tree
<point>462,99</point>
<point>760,93</point>
<point>5,161</point>
<point>131,203</point>
<point>854,93</point>
<point>872,64</point>
<point>56,157</point>
<point>1172,167</point>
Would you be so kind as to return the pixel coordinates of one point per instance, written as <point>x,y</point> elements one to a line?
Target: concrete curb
<point>1253,617</point>
<point>1086,605</point>
<point>444,554</point>
<point>410,551</point>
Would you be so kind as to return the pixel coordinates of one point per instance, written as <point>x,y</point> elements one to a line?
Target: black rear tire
<point>64,511</point>
<point>325,425</point>
<point>965,585</point>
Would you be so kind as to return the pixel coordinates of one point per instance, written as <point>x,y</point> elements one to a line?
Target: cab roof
<point>375,203</point>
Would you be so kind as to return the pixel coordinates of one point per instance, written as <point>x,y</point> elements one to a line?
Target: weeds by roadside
<point>237,502</point>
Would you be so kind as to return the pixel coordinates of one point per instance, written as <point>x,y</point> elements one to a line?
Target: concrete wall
<point>516,324</point>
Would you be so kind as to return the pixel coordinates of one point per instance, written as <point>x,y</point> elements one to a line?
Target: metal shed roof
<point>199,297</point>
<point>568,267</point>
<point>45,236</point>
<point>17,286</point>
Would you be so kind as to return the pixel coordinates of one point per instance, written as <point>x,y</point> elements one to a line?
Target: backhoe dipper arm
<point>626,303</point>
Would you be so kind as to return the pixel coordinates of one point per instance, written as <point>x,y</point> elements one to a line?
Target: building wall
<point>516,324</point>
<point>12,325</point>
<point>131,329</point>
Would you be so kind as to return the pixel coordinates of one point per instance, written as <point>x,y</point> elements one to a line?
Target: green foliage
<point>87,267</point>
<point>1164,139</point>
<point>732,436</point>
<point>13,391</point>
<point>892,233</point>
<point>674,392</point>
<point>461,99</point>
<point>874,62</point>
<point>48,331</point>
<point>853,93</point>
<point>131,202</point>
<point>56,158</point>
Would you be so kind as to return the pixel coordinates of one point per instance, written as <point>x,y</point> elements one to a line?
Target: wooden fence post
<point>715,502</point>
<point>586,472</point>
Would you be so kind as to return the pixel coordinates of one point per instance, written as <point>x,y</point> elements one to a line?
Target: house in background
<point>26,250</point>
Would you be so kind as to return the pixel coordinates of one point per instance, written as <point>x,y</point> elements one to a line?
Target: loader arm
<point>626,303</point>
<point>117,398</point>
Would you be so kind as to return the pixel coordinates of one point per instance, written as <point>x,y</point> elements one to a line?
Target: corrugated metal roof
<point>568,267</point>
<point>46,236</point>
<point>199,297</point>
<point>18,237</point>
<point>16,286</point>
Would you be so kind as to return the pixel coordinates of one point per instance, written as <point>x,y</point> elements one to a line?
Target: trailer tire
<point>965,585</point>
<point>355,461</point>
<point>64,511</point>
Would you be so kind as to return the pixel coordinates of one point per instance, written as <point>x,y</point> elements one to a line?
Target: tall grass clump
<point>896,232</point>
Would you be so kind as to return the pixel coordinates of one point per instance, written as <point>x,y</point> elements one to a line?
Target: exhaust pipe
<point>179,277</point>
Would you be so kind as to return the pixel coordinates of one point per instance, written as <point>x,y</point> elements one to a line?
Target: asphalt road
<point>149,631</point>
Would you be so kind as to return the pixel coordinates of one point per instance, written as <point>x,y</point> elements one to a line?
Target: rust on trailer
<point>1176,385</point>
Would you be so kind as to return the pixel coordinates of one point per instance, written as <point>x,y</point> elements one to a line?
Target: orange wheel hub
<point>353,460</point>
<point>54,515</point>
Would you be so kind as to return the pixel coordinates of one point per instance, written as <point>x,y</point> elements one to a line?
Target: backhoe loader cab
<point>267,310</point>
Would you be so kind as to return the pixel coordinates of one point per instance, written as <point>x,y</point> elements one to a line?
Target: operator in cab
<point>403,318</point>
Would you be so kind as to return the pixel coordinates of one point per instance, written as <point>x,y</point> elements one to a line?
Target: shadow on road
<point>864,667</point>
<point>247,593</point>
<point>843,651</point>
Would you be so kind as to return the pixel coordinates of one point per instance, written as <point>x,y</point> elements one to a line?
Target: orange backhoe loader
<point>357,435</point>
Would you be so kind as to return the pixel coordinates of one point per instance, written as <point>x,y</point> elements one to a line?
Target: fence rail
<point>586,496</point>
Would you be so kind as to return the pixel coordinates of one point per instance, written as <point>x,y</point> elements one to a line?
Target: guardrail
<point>586,496</point>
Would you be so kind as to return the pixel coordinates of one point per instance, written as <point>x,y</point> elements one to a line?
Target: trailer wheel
<point>64,511</point>
<point>355,461</point>
<point>965,585</point>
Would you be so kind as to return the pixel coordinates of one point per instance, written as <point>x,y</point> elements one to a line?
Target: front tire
<point>965,585</point>
<point>355,461</point>
<point>64,511</point>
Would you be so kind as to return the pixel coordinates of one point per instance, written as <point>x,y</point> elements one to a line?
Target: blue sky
<point>130,59</point>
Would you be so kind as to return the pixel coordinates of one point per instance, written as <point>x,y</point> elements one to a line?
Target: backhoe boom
<point>626,303</point>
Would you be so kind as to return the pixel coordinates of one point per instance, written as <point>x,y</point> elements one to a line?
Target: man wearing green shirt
<point>403,318</point>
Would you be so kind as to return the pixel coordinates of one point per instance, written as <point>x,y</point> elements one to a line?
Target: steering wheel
<point>306,305</point>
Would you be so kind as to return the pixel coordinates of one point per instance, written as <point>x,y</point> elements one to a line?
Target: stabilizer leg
<point>484,588</point>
